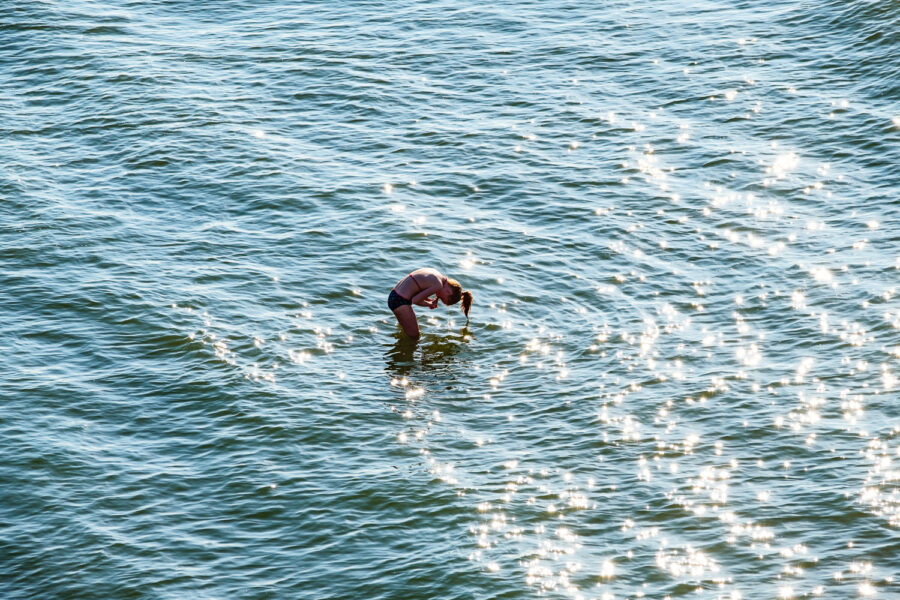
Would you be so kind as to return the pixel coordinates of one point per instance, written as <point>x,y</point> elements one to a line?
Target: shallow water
<point>680,225</point>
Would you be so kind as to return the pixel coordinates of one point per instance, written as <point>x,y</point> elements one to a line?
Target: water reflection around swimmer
<point>428,355</point>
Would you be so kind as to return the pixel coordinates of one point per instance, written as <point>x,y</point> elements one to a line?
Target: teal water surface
<point>680,224</point>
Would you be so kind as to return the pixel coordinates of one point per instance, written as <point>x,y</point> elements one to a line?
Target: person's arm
<point>421,298</point>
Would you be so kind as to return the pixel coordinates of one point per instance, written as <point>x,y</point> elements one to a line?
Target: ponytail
<point>457,293</point>
<point>466,303</point>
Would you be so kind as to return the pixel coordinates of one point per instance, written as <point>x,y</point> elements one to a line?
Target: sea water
<point>679,222</point>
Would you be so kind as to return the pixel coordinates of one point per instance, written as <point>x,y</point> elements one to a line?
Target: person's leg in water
<point>407,319</point>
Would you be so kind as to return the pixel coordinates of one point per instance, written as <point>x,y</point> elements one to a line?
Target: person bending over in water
<point>418,288</point>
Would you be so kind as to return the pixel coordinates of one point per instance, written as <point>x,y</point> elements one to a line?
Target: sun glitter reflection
<point>783,165</point>
<point>607,570</point>
<point>685,562</point>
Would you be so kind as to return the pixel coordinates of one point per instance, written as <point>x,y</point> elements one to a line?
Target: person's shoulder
<point>427,271</point>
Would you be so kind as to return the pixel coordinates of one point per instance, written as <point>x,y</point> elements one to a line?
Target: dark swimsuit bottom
<point>395,300</point>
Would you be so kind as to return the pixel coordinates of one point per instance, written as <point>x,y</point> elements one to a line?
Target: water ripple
<point>679,378</point>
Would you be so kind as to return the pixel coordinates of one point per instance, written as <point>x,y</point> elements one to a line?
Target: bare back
<point>417,281</point>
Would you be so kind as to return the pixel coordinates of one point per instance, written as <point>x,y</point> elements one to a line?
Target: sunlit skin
<point>421,284</point>
<point>422,287</point>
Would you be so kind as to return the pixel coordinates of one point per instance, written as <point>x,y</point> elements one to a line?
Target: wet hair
<point>456,293</point>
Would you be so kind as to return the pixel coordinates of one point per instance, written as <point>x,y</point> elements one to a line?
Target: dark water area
<point>679,222</point>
